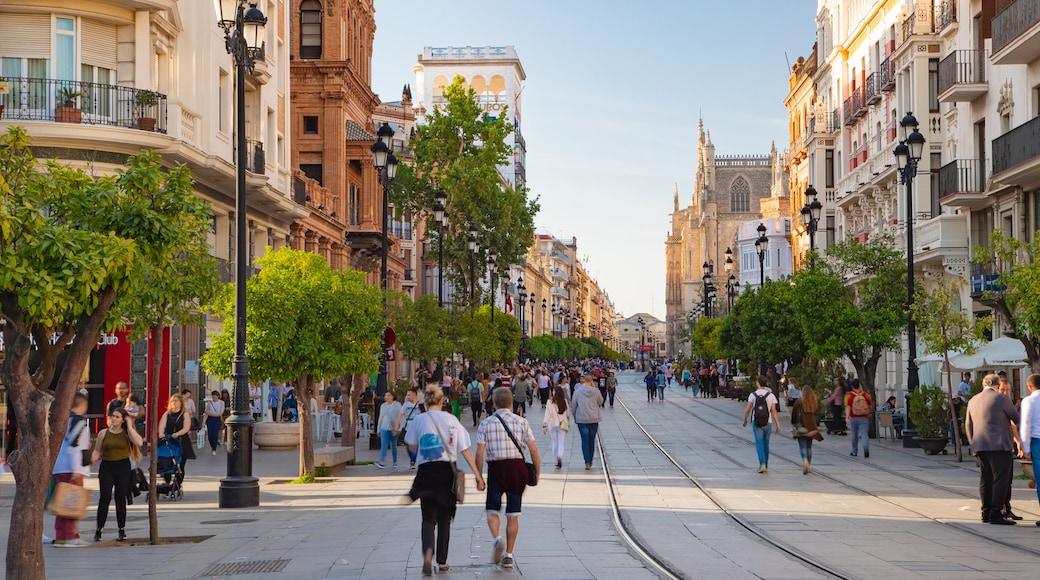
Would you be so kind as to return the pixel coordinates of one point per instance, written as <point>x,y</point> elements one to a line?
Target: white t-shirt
<point>770,402</point>
<point>409,412</point>
<point>426,431</point>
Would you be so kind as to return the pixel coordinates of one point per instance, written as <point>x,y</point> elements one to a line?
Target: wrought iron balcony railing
<point>33,99</point>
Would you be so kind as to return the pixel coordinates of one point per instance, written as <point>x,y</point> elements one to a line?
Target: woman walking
<point>389,412</point>
<point>114,448</point>
<point>585,409</point>
<point>409,411</point>
<point>70,468</point>
<point>555,422</point>
<point>803,420</point>
<point>837,402</point>
<point>214,420</point>
<point>438,439</point>
<point>176,424</point>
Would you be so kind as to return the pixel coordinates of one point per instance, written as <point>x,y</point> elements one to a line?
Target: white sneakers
<point>498,548</point>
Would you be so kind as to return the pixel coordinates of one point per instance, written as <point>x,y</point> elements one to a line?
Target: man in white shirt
<point>1029,427</point>
<point>764,404</point>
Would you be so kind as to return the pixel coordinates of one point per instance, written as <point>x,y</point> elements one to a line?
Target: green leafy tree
<point>173,274</point>
<point>945,328</point>
<point>853,304</point>
<point>460,150</point>
<point>543,347</point>
<point>305,322</point>
<point>1015,294</point>
<point>759,328</point>
<point>705,340</point>
<point>63,270</point>
<point>421,327</point>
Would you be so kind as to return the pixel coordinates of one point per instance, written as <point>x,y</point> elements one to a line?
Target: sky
<point>613,94</point>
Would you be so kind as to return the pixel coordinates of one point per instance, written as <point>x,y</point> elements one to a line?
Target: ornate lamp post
<point>709,268</point>
<point>521,292</point>
<point>441,198</point>
<point>908,154</point>
<point>492,265</point>
<point>543,314</point>
<point>474,248</point>
<point>243,37</point>
<point>731,289</point>
<point>731,280</point>
<point>811,216</point>
<point>386,166</point>
<point>762,246</point>
<point>642,340</point>
<point>532,301</point>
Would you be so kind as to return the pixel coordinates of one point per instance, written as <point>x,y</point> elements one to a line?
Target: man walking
<point>651,386</point>
<point>585,405</point>
<point>501,439</point>
<point>857,412</point>
<point>763,402</point>
<point>1029,428</point>
<point>988,426</point>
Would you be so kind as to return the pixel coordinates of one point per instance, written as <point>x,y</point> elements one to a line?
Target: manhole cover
<point>226,522</point>
<point>254,567</point>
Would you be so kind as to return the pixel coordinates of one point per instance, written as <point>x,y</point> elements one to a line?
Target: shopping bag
<point>200,441</point>
<point>68,501</point>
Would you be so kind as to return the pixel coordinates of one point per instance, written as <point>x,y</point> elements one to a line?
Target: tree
<point>759,328</point>
<point>853,304</point>
<point>1014,294</point>
<point>173,275</point>
<point>304,322</point>
<point>705,340</point>
<point>63,270</point>
<point>460,150</point>
<point>945,328</point>
<point>421,327</point>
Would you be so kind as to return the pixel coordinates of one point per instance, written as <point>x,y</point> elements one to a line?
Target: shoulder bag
<point>458,484</point>
<point>404,427</point>
<point>73,436</point>
<point>532,473</point>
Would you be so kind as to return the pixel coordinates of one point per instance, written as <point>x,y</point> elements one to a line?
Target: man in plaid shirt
<point>507,472</point>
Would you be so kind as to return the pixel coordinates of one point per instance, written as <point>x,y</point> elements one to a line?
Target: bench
<point>335,458</point>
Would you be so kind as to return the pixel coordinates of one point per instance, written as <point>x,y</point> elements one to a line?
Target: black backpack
<point>761,410</point>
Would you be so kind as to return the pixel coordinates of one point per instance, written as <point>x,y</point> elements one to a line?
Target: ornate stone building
<point>729,190</point>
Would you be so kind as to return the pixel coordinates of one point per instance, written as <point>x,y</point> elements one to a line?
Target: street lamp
<point>441,198</point>
<point>521,292</point>
<point>474,249</point>
<point>811,216</point>
<point>642,340</point>
<point>908,153</point>
<point>492,265</point>
<point>709,268</point>
<point>530,323</point>
<point>243,38</point>
<point>762,246</point>
<point>386,167</point>
<point>543,314</point>
<point>731,289</point>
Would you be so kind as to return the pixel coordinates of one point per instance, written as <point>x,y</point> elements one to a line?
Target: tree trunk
<point>152,398</point>
<point>350,413</point>
<point>30,464</point>
<point>306,385</point>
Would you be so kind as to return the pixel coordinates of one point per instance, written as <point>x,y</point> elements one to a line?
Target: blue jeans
<point>213,431</point>
<point>388,441</point>
<point>660,392</point>
<point>1034,450</point>
<point>588,440</point>
<point>805,448</point>
<point>610,397</point>
<point>858,425</point>
<point>762,443</point>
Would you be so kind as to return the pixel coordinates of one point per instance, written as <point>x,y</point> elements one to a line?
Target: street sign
<point>390,355</point>
<point>647,347</point>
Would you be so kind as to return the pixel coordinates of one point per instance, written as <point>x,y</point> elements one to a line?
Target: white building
<point>497,76</point>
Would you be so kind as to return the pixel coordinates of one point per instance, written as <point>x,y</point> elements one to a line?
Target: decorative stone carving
<point>957,265</point>
<point>1006,104</point>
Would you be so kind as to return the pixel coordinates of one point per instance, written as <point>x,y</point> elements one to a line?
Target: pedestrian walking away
<point>214,420</point>
<point>1004,388</point>
<point>803,423</point>
<point>555,423</point>
<point>409,411</point>
<point>501,440</point>
<point>651,386</point>
<point>611,388</point>
<point>389,412</point>
<point>584,407</point>
<point>988,426</point>
<point>661,384</point>
<point>601,384</point>
<point>115,447</point>
<point>763,403</point>
<point>475,390</point>
<point>858,406</point>
<point>438,439</point>
<point>1029,428</point>
<point>71,466</point>
<point>522,392</point>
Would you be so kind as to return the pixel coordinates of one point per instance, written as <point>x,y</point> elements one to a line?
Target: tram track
<point>664,567</point>
<point>859,489</point>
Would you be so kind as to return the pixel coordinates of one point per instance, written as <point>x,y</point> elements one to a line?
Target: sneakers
<point>559,464</point>
<point>395,466</point>
<point>97,535</point>
<point>588,466</point>
<point>380,465</point>
<point>762,468</point>
<point>853,454</point>
<point>507,562</point>
<point>77,543</point>
<point>122,535</point>
<point>411,465</point>
<point>498,547</point>
<point>866,454</point>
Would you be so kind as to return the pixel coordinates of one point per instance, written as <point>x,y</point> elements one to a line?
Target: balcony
<point>854,107</point>
<point>962,76</point>
<point>1016,33</point>
<point>962,183</point>
<point>558,255</point>
<point>256,162</point>
<point>559,274</point>
<point>941,238</point>
<point>888,75</point>
<point>984,278</point>
<point>560,293</point>
<point>57,101</point>
<point>947,14</point>
<point>1016,155</point>
<point>921,21</point>
<point>873,88</point>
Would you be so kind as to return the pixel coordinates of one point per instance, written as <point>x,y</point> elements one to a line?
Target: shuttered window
<point>25,35</point>
<point>98,45</point>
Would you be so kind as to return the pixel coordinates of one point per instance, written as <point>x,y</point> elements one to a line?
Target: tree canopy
<point>762,326</point>
<point>1015,292</point>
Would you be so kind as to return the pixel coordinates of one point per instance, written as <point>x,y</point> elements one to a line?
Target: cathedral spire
<point>675,198</point>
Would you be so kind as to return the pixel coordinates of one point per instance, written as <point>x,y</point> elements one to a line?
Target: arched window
<point>740,196</point>
<point>310,29</point>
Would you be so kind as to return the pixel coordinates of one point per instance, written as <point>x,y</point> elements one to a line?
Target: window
<point>310,29</point>
<point>936,163</point>
<point>740,196</point>
<point>224,106</point>
<point>828,168</point>
<point>65,49</point>
<point>312,170</point>
<point>310,124</point>
<point>933,85</point>
<point>354,206</point>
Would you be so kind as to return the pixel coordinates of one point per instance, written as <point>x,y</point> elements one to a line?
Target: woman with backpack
<point>475,391</point>
<point>857,411</point>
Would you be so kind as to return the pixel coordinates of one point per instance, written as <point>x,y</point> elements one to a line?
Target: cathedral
<point>732,194</point>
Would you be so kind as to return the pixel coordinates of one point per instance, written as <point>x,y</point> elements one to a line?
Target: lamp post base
<point>239,489</point>
<point>239,492</point>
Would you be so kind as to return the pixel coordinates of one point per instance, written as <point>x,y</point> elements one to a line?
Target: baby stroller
<point>168,465</point>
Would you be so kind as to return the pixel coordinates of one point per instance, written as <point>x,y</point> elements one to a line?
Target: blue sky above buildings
<point>610,106</point>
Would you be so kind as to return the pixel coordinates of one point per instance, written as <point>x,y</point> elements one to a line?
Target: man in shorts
<point>507,472</point>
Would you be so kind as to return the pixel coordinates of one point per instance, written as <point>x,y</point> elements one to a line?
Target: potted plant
<point>144,101</point>
<point>68,110</point>
<point>929,412</point>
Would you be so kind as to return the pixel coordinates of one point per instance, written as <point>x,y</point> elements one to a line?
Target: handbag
<point>565,426</point>
<point>532,472</point>
<point>458,483</point>
<point>68,501</point>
